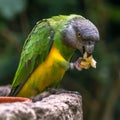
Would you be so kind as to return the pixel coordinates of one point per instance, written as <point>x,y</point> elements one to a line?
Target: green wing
<point>35,50</point>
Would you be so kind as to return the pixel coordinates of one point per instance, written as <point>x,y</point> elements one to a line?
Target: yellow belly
<point>47,74</point>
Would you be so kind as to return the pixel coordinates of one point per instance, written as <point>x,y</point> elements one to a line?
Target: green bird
<point>47,52</point>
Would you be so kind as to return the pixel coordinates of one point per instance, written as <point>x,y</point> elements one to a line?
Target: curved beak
<point>88,49</point>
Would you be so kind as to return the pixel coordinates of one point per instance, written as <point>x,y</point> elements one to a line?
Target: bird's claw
<point>51,91</point>
<point>76,64</point>
<point>61,90</point>
<point>40,96</point>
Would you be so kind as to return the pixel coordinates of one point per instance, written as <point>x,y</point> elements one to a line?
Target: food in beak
<point>87,62</point>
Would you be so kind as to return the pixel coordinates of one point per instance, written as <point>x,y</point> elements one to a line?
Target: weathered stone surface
<point>16,111</point>
<point>59,107</point>
<point>63,106</point>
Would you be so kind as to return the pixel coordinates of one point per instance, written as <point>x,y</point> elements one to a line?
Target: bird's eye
<point>78,35</point>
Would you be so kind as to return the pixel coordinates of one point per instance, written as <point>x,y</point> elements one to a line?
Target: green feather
<point>35,50</point>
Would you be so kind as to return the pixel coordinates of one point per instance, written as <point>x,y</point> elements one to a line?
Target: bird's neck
<point>65,51</point>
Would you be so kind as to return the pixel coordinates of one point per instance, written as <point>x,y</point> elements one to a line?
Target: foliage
<point>9,8</point>
<point>99,87</point>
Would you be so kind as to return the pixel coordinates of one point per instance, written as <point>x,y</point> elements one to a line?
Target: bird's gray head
<point>81,34</point>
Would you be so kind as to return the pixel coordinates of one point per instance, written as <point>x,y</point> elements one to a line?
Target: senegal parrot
<point>47,52</point>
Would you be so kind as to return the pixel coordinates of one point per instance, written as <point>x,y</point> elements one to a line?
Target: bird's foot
<point>84,63</point>
<point>41,96</point>
<point>51,91</point>
<point>61,90</point>
<point>76,64</point>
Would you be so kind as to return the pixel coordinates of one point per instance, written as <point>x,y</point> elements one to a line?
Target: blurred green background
<point>100,87</point>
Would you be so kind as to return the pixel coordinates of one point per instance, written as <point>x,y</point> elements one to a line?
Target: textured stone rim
<point>14,99</point>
